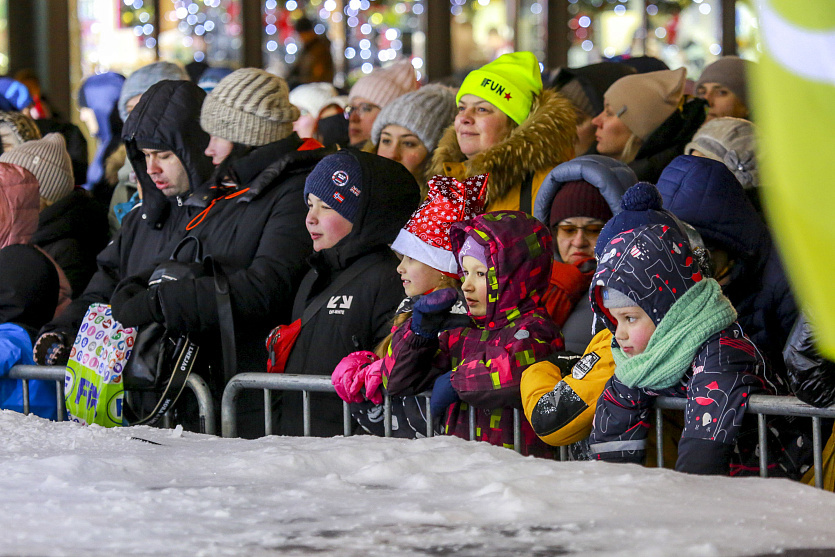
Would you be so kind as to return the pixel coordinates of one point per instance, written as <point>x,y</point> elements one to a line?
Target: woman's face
<point>575,238</point>
<point>479,125</point>
<point>585,136</point>
<point>361,118</point>
<point>721,101</point>
<point>218,149</point>
<point>399,144</point>
<point>612,134</point>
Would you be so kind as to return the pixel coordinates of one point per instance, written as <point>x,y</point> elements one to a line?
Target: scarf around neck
<point>700,313</point>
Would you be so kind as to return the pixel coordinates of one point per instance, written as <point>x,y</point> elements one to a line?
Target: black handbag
<point>162,360</point>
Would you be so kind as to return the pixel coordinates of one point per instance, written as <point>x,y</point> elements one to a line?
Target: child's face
<point>417,277</point>
<point>475,285</point>
<point>634,330</point>
<point>325,225</point>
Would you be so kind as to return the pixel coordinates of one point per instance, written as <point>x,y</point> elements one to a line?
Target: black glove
<point>430,312</point>
<point>564,360</point>
<point>51,349</point>
<point>134,304</point>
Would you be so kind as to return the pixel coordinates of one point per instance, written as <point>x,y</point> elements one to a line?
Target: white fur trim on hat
<point>410,245</point>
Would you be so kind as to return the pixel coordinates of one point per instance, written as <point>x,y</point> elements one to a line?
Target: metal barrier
<point>198,386</point>
<point>761,405</point>
<point>322,384</point>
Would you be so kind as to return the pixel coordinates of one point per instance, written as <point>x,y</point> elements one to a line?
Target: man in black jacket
<point>165,142</point>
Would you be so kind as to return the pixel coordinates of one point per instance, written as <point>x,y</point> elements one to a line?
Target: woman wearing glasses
<point>371,93</point>
<point>509,127</point>
<point>576,200</point>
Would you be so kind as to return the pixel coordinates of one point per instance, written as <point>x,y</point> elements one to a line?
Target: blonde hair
<point>383,348</point>
<point>631,149</point>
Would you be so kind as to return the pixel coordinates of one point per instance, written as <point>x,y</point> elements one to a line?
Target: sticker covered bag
<point>93,381</point>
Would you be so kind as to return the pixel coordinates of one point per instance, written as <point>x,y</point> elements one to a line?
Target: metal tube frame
<point>762,406</point>
<point>322,384</point>
<point>25,373</point>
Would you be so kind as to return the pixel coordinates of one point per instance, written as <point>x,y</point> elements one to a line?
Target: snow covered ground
<point>72,490</point>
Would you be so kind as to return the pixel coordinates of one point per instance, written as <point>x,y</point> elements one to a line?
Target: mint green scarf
<point>700,313</point>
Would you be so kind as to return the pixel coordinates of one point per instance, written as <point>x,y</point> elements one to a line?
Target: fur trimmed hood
<point>544,140</point>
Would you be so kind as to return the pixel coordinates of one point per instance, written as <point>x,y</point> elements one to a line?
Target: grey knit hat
<point>731,141</point>
<point>50,163</point>
<point>426,112</point>
<point>249,106</point>
<point>731,72</point>
<point>142,79</point>
<point>615,299</point>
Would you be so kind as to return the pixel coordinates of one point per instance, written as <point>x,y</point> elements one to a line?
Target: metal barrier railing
<point>762,406</point>
<point>206,408</point>
<point>322,384</point>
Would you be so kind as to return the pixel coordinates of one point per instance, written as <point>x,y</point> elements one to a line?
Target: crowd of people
<point>573,244</point>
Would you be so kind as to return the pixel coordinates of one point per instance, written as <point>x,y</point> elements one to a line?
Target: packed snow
<point>73,490</point>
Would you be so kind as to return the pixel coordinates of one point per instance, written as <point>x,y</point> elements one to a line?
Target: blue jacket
<point>706,195</point>
<point>16,348</point>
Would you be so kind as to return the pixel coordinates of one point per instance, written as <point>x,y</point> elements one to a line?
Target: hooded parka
<point>167,118</point>
<point>487,359</point>
<point>519,164</point>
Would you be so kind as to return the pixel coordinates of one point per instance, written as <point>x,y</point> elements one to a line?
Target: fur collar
<point>544,140</point>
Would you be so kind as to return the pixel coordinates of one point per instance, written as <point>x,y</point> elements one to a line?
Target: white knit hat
<point>313,97</point>
<point>731,141</point>
<point>249,106</point>
<point>50,163</point>
<point>383,85</point>
<point>644,101</point>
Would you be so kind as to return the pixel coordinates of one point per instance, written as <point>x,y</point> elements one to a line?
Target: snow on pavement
<point>73,490</point>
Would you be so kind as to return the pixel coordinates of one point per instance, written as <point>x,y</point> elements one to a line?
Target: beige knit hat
<point>249,106</point>
<point>49,161</point>
<point>644,101</point>
<point>383,85</point>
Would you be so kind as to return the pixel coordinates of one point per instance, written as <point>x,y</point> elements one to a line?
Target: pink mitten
<point>373,380</point>
<point>348,377</point>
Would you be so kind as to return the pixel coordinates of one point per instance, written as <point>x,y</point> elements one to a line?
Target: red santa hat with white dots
<point>426,236</point>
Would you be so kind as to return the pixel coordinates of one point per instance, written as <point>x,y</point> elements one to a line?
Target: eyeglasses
<point>362,109</point>
<point>569,230</point>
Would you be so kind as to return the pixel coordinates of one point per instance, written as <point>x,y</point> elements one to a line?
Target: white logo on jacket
<point>338,304</point>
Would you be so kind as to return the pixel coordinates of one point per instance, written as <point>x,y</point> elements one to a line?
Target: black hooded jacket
<point>359,315</point>
<point>167,117</point>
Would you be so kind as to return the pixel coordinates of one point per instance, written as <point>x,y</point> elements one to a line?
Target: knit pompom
<point>643,196</point>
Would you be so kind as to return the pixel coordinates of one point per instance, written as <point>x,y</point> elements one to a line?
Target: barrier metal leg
<point>306,412</point>
<point>761,432</point>
<point>817,450</point>
<point>471,417</point>
<point>430,431</point>
<point>517,431</point>
<point>387,415</point>
<point>563,453</point>
<point>25,397</point>
<point>659,437</point>
<point>205,405</point>
<point>228,415</point>
<point>346,419</point>
<point>268,412</point>
<point>62,403</point>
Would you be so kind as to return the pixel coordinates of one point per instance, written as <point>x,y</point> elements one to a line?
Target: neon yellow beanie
<point>509,82</point>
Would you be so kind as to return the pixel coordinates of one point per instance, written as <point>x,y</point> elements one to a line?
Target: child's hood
<point>519,250</point>
<point>651,264</point>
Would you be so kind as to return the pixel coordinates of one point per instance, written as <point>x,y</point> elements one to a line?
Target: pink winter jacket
<point>20,204</point>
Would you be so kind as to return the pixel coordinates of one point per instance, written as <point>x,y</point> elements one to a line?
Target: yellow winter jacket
<point>561,408</point>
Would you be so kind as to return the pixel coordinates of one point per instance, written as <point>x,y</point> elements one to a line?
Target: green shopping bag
<point>93,381</point>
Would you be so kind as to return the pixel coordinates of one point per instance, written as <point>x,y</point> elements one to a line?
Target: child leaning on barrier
<point>427,265</point>
<point>675,334</point>
<point>504,258</point>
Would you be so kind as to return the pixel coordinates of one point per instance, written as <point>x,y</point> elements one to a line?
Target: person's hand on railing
<point>51,349</point>
<point>443,394</point>
<point>353,373</point>
<point>430,312</point>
